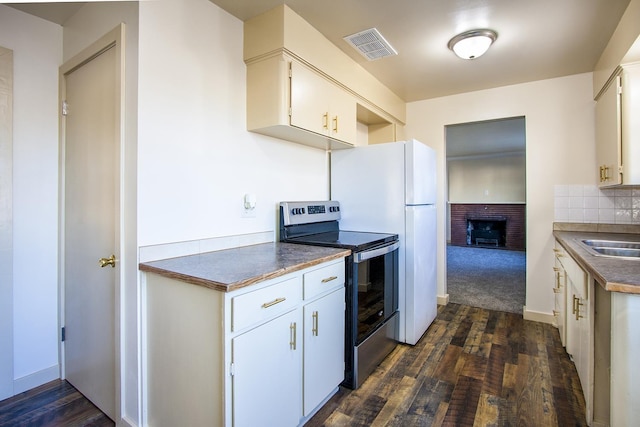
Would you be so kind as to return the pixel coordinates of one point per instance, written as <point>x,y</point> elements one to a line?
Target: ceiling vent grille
<point>371,44</point>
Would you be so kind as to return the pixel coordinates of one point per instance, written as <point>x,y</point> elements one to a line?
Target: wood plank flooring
<point>473,367</point>
<point>56,403</point>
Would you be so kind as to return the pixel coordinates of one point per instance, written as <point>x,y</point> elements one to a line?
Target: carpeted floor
<point>488,278</point>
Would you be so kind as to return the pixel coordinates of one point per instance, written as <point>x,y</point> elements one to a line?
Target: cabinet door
<point>267,366</point>
<point>309,100</point>
<point>608,135</point>
<point>342,115</point>
<point>323,348</point>
<point>560,293</point>
<point>579,339</point>
<point>319,106</point>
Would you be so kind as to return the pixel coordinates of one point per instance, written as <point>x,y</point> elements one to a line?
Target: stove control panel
<point>294,213</point>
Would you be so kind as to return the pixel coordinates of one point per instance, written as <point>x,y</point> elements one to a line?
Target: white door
<point>323,348</point>
<point>420,293</point>
<point>90,208</point>
<point>420,169</point>
<point>267,379</point>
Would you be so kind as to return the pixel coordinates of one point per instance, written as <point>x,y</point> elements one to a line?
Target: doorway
<point>486,223</point>
<point>90,213</point>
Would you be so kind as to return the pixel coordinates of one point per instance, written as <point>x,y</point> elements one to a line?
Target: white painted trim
<point>443,299</point>
<point>36,379</point>
<point>191,247</point>
<point>6,226</point>
<point>128,422</point>
<point>537,316</point>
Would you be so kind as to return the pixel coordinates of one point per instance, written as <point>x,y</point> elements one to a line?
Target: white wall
<point>560,148</point>
<point>487,179</point>
<point>37,48</point>
<point>196,159</point>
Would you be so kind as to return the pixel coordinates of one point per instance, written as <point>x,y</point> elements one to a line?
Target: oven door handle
<point>363,256</point>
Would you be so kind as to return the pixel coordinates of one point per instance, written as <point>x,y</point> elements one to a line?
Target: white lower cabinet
<point>265,355</point>
<point>323,348</point>
<point>560,295</point>
<point>267,373</point>
<point>573,285</point>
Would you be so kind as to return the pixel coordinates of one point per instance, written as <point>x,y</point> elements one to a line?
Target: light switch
<point>249,201</point>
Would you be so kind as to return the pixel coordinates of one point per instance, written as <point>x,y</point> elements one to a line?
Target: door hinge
<point>63,334</point>
<point>65,108</point>
<point>232,370</point>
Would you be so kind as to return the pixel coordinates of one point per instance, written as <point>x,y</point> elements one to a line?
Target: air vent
<point>371,44</point>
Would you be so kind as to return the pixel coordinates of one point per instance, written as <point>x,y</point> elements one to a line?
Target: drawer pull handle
<point>292,341</point>
<point>328,279</point>
<point>577,304</point>
<point>274,302</point>
<point>314,330</point>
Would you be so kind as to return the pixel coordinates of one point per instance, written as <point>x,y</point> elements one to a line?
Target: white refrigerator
<point>391,188</point>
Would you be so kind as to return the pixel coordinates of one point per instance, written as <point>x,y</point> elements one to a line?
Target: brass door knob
<point>108,261</point>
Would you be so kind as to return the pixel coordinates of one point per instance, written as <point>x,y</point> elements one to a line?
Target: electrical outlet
<point>248,213</point>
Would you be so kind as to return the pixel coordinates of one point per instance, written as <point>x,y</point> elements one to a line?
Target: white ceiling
<point>537,39</point>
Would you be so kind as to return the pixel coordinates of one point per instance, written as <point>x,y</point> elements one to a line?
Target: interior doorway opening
<point>486,213</point>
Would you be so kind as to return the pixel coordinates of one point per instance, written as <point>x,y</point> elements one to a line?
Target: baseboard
<point>36,379</point>
<point>537,316</point>
<point>443,300</point>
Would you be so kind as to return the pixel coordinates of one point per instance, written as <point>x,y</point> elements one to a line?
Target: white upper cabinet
<point>303,88</point>
<point>319,106</point>
<point>617,132</point>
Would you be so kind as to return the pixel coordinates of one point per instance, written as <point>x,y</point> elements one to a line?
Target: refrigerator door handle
<point>363,256</point>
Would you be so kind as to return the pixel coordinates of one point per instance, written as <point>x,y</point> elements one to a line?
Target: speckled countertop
<point>231,269</point>
<point>613,274</point>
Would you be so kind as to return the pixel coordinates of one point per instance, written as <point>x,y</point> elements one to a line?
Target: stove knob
<point>301,210</point>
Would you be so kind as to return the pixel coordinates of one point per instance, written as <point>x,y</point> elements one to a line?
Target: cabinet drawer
<point>258,306</point>
<point>323,279</point>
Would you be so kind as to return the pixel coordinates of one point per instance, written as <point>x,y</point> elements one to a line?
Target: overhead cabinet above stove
<point>302,88</point>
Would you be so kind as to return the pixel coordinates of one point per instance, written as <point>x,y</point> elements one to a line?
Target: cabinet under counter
<point>224,335</point>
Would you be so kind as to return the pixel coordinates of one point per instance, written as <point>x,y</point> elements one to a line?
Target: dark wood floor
<point>56,403</point>
<point>473,367</point>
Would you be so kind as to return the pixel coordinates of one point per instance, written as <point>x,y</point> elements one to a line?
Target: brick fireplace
<point>491,225</point>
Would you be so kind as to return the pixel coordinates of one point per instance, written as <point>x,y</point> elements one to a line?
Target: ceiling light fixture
<point>473,43</point>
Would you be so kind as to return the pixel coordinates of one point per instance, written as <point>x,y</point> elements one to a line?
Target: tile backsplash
<point>589,204</point>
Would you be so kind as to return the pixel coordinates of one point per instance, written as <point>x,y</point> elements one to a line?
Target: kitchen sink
<point>611,243</point>
<point>613,248</point>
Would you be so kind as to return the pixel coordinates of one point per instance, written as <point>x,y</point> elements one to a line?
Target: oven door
<point>375,282</point>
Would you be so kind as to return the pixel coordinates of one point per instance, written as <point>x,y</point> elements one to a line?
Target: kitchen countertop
<point>613,274</point>
<point>231,269</point>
